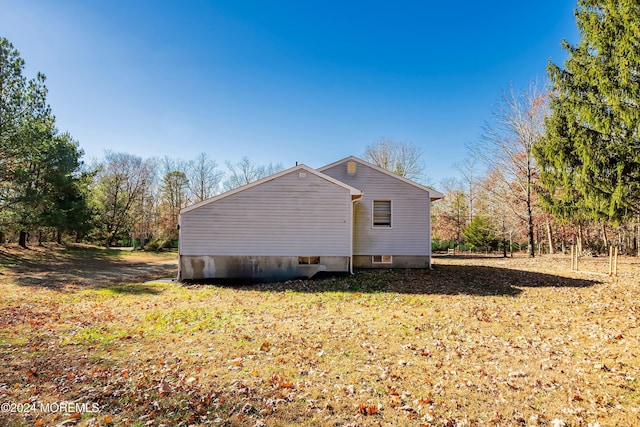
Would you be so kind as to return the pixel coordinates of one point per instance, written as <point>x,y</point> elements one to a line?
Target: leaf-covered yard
<point>477,341</point>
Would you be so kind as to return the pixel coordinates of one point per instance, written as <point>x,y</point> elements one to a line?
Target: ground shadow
<point>442,280</point>
<point>71,269</point>
<point>76,269</point>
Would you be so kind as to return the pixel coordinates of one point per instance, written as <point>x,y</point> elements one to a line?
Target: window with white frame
<point>382,213</point>
<point>381,259</point>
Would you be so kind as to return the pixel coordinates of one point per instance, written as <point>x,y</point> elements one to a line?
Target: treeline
<point>137,201</point>
<point>476,217</point>
<point>562,166</point>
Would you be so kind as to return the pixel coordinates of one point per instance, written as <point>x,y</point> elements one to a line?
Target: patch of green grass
<point>633,398</point>
<point>132,289</point>
<point>94,335</point>
<point>10,341</point>
<point>195,319</point>
<point>93,252</point>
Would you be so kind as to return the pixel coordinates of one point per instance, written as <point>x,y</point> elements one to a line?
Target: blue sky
<point>283,81</point>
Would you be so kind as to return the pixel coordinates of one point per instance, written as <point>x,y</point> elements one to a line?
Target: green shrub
<point>153,245</point>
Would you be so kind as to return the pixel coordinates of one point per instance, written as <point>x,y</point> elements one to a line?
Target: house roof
<point>353,191</point>
<point>433,194</point>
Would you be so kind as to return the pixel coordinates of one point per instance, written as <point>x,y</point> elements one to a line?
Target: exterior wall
<point>255,267</point>
<point>398,261</point>
<point>409,235</point>
<point>296,214</point>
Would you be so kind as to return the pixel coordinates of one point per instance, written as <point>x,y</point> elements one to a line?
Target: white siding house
<point>301,221</point>
<point>392,219</point>
<point>290,224</point>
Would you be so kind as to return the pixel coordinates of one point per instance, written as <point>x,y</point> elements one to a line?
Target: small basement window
<point>382,213</point>
<point>306,260</point>
<point>382,259</point>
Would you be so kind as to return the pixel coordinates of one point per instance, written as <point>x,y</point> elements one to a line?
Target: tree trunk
<point>550,238</point>
<point>40,238</point>
<point>504,239</point>
<point>511,244</point>
<point>531,234</point>
<point>638,238</point>
<point>22,240</point>
<point>579,242</point>
<point>2,239</point>
<point>605,240</point>
<point>59,237</point>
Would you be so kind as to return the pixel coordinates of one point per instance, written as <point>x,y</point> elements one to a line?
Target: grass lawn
<point>478,341</point>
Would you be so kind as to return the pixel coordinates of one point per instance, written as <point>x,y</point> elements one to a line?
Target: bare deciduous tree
<point>506,148</point>
<point>449,216</point>
<point>402,158</point>
<point>204,178</point>
<point>469,170</point>
<point>246,171</point>
<point>505,212</point>
<point>172,198</point>
<point>121,184</point>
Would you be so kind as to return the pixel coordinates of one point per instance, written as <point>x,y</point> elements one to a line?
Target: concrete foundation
<point>398,261</point>
<point>268,268</point>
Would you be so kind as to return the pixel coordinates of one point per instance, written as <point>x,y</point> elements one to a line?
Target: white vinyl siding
<point>410,217</point>
<point>292,215</point>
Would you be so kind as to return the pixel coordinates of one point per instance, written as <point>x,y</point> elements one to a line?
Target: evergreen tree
<point>37,163</point>
<point>13,86</point>
<point>481,234</point>
<point>64,190</point>
<point>12,94</point>
<point>590,155</point>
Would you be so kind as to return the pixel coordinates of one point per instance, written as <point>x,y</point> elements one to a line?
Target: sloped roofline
<point>433,194</point>
<point>301,167</point>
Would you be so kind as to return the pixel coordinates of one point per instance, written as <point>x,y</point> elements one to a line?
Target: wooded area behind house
<point>553,167</point>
